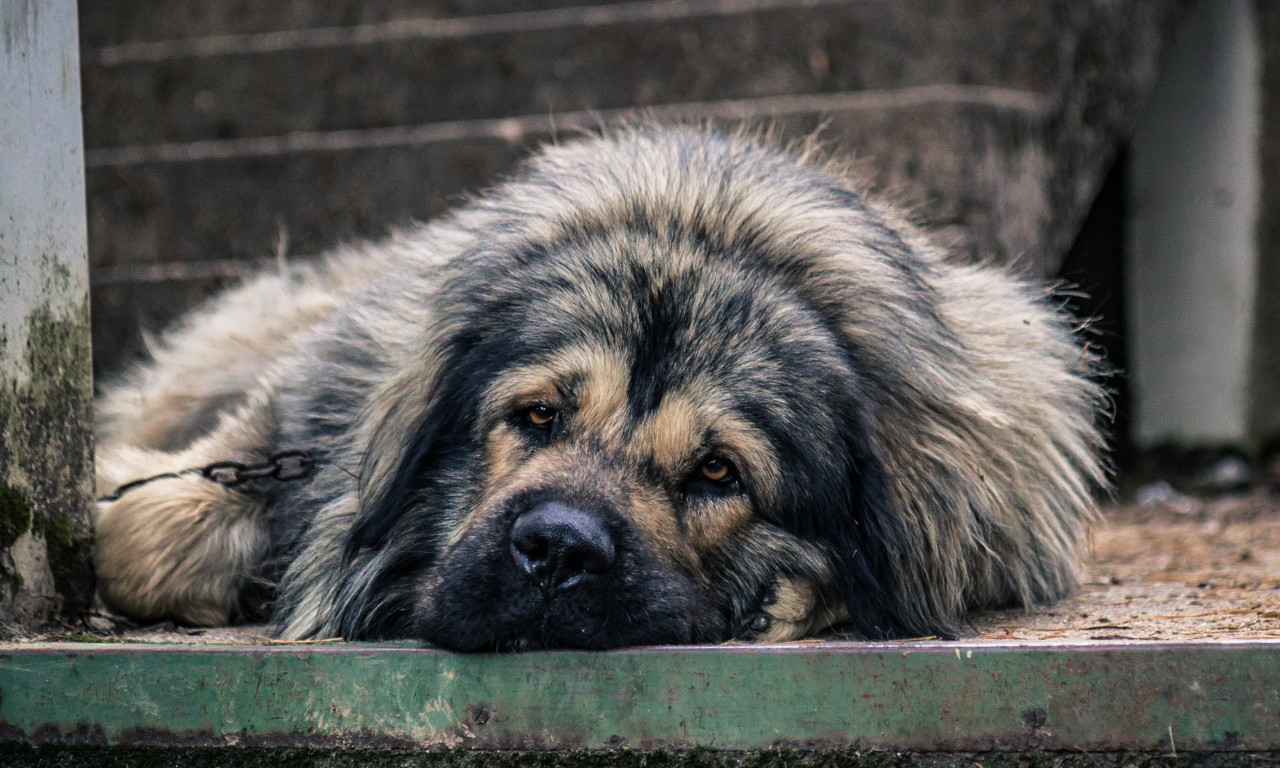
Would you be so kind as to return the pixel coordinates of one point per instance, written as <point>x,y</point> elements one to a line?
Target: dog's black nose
<point>558,546</point>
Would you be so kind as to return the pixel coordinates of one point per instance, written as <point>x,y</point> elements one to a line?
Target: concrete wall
<point>45,365</point>
<point>1265,401</point>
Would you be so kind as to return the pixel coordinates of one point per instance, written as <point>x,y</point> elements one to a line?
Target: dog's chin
<point>477,600</point>
<point>543,629</point>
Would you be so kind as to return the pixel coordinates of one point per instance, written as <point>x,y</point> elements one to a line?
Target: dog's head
<point>630,434</point>
<point>719,398</point>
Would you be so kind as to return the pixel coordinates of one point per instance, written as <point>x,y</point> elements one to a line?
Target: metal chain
<point>283,466</point>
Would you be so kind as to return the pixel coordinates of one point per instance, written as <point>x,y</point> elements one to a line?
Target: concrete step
<point>626,55</point>
<point>236,211</point>
<point>107,23</point>
<point>211,132</point>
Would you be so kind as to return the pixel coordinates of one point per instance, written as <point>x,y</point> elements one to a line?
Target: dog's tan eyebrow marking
<point>670,434</point>
<point>598,376</point>
<point>602,396</point>
<point>690,420</point>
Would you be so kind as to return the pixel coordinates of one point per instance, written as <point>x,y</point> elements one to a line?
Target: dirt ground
<point>1174,569</point>
<point>1183,569</point>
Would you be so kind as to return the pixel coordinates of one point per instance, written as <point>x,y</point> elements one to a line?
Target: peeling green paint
<point>841,696</point>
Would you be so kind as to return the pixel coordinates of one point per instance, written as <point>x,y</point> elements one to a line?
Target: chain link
<point>283,466</point>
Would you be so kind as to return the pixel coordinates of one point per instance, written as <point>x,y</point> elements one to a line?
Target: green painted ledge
<point>1140,697</point>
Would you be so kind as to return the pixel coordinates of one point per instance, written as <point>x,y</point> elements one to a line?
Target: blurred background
<point>1128,147</point>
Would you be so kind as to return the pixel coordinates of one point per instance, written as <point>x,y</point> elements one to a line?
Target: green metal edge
<point>1204,696</point>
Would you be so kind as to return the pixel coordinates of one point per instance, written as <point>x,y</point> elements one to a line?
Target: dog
<point>662,385</point>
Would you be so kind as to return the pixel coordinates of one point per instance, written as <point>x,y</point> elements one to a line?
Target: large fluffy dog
<point>663,386</point>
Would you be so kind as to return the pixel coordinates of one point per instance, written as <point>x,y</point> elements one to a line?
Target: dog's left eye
<point>716,470</point>
<point>714,477</point>
<point>539,423</point>
<point>540,416</point>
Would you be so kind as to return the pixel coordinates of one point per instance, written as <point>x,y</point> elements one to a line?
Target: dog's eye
<point>717,470</point>
<point>713,477</point>
<point>540,416</point>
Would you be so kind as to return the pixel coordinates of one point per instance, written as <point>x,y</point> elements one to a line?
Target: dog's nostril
<point>532,548</point>
<point>557,546</point>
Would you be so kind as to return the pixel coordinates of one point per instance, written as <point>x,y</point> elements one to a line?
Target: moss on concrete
<point>46,464</point>
<point>69,547</point>
<point>15,516</point>
<point>15,520</point>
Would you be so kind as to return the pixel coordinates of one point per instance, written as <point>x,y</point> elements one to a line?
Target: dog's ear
<point>860,522</point>
<point>867,536</point>
<point>974,450</point>
<point>901,571</point>
<point>415,419</point>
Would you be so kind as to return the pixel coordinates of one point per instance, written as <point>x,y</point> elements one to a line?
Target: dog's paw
<point>792,609</point>
<point>178,548</point>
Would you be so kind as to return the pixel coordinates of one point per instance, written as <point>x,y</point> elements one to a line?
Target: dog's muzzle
<point>560,571</point>
<point>558,547</point>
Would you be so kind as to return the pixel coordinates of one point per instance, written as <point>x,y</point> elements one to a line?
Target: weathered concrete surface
<point>213,131</point>
<point>126,23</point>
<point>1204,247</point>
<point>45,361</point>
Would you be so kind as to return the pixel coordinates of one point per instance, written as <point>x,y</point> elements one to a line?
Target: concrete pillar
<point>1194,266</point>
<point>1265,401</point>
<point>46,389</point>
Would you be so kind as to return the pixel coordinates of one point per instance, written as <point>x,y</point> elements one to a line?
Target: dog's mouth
<point>558,576</point>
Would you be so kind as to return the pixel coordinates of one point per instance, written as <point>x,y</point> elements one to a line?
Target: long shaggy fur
<point>910,438</point>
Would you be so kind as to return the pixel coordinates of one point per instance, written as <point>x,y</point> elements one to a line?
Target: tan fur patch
<point>505,455</point>
<point>179,548</point>
<point>711,524</point>
<point>671,434</point>
<point>652,514</point>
